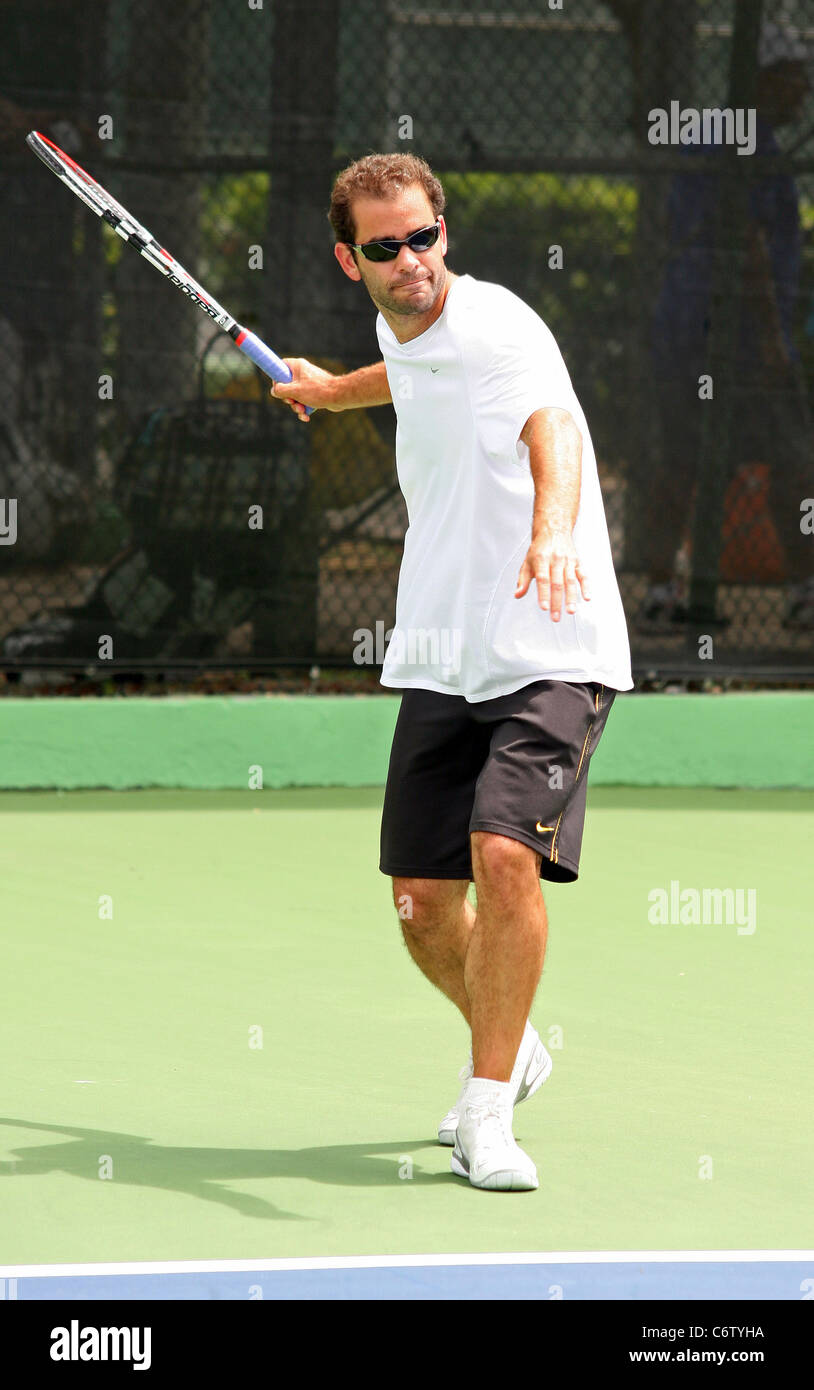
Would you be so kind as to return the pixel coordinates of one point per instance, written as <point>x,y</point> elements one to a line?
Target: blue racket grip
<point>265,359</point>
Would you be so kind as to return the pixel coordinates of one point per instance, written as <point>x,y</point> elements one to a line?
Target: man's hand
<point>553,562</point>
<point>309,386</point>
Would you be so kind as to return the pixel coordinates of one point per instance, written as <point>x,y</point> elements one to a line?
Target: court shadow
<point>206,1173</point>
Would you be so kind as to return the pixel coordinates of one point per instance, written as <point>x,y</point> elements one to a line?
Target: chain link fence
<point>640,172</point>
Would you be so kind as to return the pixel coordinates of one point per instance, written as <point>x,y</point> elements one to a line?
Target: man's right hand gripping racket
<point>105,206</point>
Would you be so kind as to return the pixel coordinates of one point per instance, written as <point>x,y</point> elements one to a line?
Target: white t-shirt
<point>463,391</point>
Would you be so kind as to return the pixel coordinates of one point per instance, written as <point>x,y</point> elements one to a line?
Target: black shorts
<point>516,765</point>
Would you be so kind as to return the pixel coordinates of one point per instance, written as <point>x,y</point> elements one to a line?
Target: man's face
<point>412,282</point>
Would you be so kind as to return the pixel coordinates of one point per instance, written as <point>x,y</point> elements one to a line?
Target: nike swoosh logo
<point>543,828</point>
<point>434,370</point>
<point>525,1085</point>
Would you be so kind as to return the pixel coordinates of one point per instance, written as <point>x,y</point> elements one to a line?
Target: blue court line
<point>707,1280</point>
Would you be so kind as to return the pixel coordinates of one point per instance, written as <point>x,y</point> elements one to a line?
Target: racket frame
<point>104,205</point>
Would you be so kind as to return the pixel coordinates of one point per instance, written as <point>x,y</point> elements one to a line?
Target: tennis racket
<point>105,206</point>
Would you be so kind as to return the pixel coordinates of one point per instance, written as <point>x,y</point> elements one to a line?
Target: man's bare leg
<point>437,921</point>
<point>506,950</point>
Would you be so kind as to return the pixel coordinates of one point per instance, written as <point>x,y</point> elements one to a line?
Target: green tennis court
<point>215,1044</point>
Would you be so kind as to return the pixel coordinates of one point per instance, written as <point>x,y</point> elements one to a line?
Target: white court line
<point>577,1257</point>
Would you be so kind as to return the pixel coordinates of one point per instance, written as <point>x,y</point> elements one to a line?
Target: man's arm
<point>554,443</point>
<point>760,290</point>
<point>310,385</point>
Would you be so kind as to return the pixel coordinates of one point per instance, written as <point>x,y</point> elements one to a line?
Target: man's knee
<point>499,859</point>
<point>425,904</point>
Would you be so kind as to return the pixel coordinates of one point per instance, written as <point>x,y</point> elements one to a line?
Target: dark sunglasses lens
<point>423,240</point>
<point>382,250</point>
<point>388,250</point>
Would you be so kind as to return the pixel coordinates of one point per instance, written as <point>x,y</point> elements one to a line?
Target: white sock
<point>479,1087</point>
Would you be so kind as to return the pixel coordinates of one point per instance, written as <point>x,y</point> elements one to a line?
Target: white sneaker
<point>532,1067</point>
<point>485,1150</point>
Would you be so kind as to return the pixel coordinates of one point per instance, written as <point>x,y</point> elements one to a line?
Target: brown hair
<point>379,176</point>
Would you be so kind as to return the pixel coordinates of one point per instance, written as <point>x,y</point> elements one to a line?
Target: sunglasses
<point>421,240</point>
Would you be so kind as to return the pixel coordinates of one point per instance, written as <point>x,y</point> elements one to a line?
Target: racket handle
<point>263,356</point>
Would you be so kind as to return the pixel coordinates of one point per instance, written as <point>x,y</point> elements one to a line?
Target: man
<point>770,415</point>
<point>488,767</point>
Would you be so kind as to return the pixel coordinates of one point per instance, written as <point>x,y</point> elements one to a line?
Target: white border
<point>578,1257</point>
